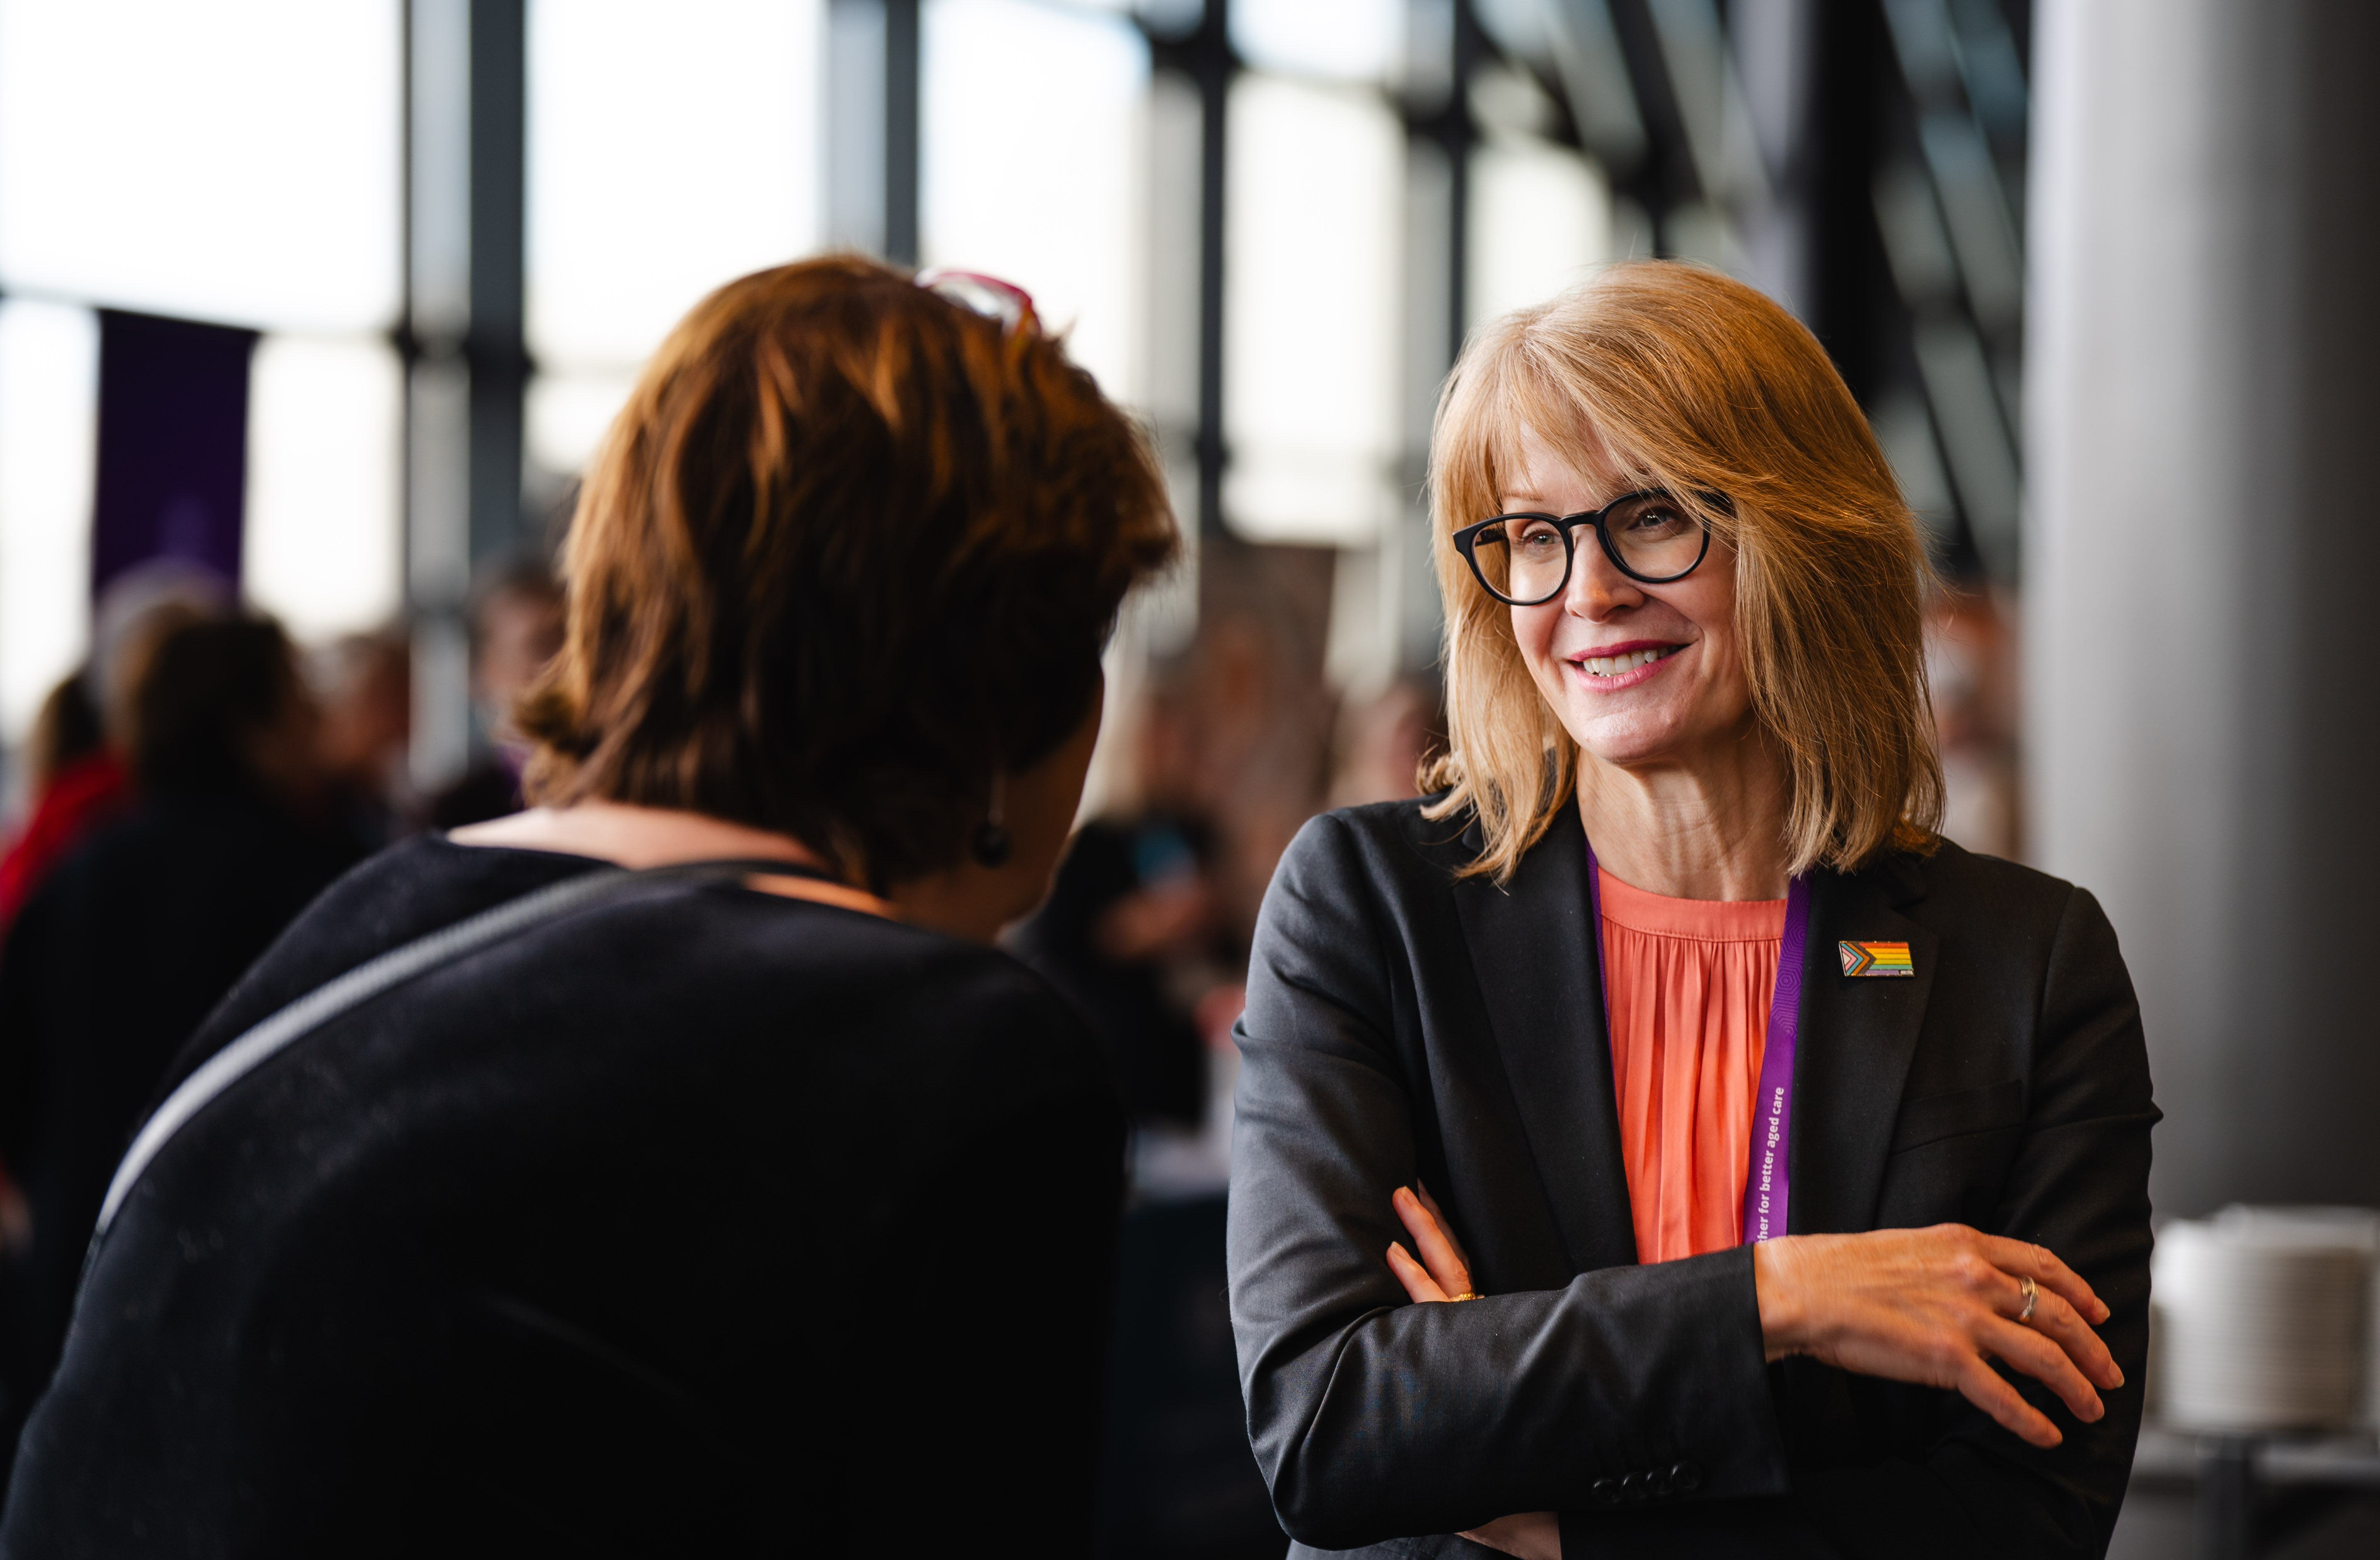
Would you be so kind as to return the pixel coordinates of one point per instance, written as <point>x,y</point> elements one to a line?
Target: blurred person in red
<point>516,620</point>
<point>140,931</point>
<point>74,753</point>
<point>75,782</point>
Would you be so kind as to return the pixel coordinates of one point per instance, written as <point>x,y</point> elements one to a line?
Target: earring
<point>991,845</point>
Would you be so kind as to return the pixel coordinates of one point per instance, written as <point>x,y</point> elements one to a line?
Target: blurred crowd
<point>187,791</point>
<point>1218,751</point>
<point>1224,749</point>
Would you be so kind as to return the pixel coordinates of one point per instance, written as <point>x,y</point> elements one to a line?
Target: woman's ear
<point>977,897</point>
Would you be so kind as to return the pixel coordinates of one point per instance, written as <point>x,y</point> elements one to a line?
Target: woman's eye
<point>1658,521</point>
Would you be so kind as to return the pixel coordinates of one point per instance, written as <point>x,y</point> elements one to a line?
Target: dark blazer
<point>1401,1024</point>
<point>701,1221</point>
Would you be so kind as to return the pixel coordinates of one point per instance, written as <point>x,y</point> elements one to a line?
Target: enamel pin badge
<point>1877,959</point>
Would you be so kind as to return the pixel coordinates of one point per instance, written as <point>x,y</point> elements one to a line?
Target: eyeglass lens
<point>1652,533</point>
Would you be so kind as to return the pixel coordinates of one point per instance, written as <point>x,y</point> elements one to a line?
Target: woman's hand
<point>1931,1306</point>
<point>1444,1274</point>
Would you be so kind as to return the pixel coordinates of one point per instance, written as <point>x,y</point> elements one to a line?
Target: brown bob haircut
<point>851,550</point>
<point>1701,385</point>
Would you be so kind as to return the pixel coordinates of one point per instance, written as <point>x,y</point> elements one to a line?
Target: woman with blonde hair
<point>1792,1161</point>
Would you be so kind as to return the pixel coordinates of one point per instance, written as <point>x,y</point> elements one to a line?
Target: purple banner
<point>173,445</point>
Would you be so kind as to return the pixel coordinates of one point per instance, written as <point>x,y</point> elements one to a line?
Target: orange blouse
<point>1689,983</point>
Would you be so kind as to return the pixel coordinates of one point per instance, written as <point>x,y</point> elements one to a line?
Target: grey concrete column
<point>2202,685</point>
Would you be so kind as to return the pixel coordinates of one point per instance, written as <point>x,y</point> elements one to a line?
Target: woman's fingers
<point>1445,1225</point>
<point>1445,1264</point>
<point>2052,1344</point>
<point>1989,1391</point>
<point>1937,1305</point>
<point>2046,1269</point>
<point>1419,1285</point>
<point>1531,1535</point>
<point>2042,1358</point>
<point>2056,1320</point>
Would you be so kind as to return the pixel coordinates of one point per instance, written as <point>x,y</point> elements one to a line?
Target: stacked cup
<point>2262,1320</point>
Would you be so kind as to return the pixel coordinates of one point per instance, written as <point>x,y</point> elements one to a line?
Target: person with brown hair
<point>616,1177</point>
<point>1792,1162</point>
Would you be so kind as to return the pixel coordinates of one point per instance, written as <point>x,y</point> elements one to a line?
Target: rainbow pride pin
<point>1877,959</point>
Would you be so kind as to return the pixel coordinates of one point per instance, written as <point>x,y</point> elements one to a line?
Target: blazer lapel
<point>1541,976</point>
<point>1856,1037</point>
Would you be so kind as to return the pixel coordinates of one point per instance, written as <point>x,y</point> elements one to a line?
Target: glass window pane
<point>1348,39</point>
<point>1540,217</point>
<point>323,548</point>
<point>1312,312</point>
<point>1031,155</point>
<point>235,161</point>
<point>49,433</point>
<point>569,414</point>
<point>670,147</point>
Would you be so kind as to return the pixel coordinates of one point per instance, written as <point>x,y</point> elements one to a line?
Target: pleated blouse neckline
<point>1689,983</point>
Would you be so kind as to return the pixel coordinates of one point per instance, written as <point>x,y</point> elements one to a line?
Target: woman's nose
<point>1596,588</point>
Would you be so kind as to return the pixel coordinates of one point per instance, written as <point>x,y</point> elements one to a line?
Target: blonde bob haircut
<point>1701,385</point>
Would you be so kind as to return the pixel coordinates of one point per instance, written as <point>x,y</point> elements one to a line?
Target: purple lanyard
<point>1766,1183</point>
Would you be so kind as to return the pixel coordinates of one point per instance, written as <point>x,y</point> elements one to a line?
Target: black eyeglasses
<point>1524,559</point>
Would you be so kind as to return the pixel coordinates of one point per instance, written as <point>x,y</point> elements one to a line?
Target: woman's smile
<point>1611,668</point>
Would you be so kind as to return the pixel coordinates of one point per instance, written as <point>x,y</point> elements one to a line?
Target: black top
<point>1401,1024</point>
<point>118,956</point>
<point>699,1220</point>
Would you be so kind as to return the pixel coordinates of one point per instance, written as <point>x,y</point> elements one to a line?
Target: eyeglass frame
<point>1466,541</point>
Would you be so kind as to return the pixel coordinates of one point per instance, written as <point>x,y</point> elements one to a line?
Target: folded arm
<point>1374,1418</point>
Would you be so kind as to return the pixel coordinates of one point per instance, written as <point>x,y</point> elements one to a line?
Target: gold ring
<point>2031,1294</point>
<point>1467,1294</point>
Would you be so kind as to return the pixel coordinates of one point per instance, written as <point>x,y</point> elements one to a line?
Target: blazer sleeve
<point>1373,1417</point>
<point>2079,1185</point>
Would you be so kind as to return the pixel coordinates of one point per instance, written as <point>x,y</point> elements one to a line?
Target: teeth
<point>1612,665</point>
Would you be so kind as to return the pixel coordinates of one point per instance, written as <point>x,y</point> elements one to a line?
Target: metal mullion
<point>494,345</point>
<point>1666,177</point>
<point>902,129</point>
